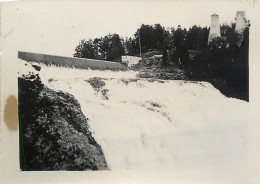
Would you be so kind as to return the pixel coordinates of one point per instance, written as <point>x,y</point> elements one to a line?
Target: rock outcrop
<point>54,133</point>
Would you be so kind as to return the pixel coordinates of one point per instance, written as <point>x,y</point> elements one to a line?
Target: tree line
<point>151,37</point>
<point>223,62</point>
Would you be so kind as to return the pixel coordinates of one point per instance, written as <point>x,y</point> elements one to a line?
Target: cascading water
<point>156,124</point>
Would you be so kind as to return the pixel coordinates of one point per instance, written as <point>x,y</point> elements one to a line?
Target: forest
<point>222,62</point>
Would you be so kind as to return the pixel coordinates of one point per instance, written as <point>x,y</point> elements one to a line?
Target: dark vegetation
<point>223,62</point>
<point>54,133</point>
<point>108,48</point>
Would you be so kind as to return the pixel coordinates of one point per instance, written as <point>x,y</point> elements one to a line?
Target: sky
<point>57,27</point>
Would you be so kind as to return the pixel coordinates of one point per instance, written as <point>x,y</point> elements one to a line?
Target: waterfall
<point>157,124</point>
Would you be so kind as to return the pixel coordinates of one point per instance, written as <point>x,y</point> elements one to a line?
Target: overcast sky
<point>56,27</point>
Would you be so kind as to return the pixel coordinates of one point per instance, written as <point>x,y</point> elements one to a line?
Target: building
<point>214,31</point>
<point>240,22</point>
<point>130,60</point>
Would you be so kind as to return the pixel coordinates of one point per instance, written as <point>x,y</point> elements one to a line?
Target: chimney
<point>240,22</point>
<point>214,31</point>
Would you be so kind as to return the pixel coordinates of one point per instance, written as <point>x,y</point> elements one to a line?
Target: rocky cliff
<point>54,134</point>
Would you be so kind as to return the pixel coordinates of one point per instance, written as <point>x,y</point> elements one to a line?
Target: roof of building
<point>214,14</point>
<point>241,13</point>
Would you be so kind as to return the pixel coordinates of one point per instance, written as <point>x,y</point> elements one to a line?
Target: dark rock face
<point>54,133</point>
<point>96,83</point>
<point>36,67</point>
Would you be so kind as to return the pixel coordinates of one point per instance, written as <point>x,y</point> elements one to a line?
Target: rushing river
<point>147,124</point>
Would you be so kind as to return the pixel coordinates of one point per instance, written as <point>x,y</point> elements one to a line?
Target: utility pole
<point>140,43</point>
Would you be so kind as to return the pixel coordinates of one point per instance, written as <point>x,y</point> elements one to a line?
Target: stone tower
<point>214,31</point>
<point>240,26</point>
<point>240,22</point>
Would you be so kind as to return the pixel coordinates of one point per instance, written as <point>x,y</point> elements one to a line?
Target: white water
<point>191,127</point>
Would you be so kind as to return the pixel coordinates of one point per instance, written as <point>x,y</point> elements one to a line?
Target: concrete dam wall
<point>71,62</point>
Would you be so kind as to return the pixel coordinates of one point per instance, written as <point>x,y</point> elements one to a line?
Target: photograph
<point>130,86</point>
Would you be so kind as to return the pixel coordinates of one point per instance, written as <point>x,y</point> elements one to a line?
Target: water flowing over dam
<point>156,124</point>
<point>71,62</point>
<point>153,124</point>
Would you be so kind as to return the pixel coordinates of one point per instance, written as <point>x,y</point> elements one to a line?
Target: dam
<point>81,63</point>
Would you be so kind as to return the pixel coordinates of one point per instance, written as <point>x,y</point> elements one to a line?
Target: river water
<point>166,125</point>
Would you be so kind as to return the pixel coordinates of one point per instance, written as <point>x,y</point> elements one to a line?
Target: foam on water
<point>174,125</point>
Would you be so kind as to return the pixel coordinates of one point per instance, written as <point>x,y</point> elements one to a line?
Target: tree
<point>86,49</point>
<point>111,46</point>
<point>159,34</point>
<point>145,32</point>
<point>108,48</point>
<point>178,42</point>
